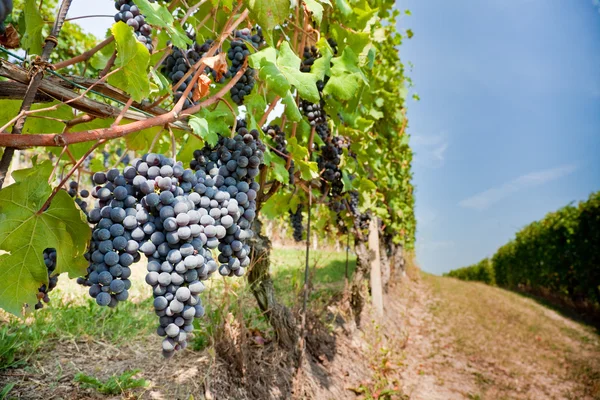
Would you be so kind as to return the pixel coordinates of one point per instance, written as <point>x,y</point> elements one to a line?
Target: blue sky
<point>508,126</point>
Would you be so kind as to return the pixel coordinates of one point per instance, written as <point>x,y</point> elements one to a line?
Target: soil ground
<point>439,339</point>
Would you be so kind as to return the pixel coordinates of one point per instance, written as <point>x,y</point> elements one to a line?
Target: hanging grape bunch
<point>176,217</point>
<point>179,62</point>
<point>50,263</point>
<point>281,150</point>
<point>238,54</point>
<point>235,163</point>
<point>175,66</point>
<point>6,7</point>
<point>296,222</point>
<point>130,14</point>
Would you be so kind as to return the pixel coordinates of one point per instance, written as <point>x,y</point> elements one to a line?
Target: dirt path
<point>471,341</point>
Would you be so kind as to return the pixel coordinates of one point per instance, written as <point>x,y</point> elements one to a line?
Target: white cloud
<point>485,199</point>
<point>430,150</point>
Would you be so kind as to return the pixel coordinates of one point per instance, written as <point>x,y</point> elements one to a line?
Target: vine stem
<point>86,55</point>
<point>34,84</point>
<point>306,281</point>
<point>89,16</point>
<point>109,64</point>
<point>273,104</point>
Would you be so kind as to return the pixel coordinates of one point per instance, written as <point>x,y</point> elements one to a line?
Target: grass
<point>517,336</point>
<point>113,385</point>
<point>73,316</point>
<point>68,321</point>
<point>327,274</point>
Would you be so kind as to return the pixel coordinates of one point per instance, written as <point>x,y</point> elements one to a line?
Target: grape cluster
<point>116,237</point>
<point>314,112</point>
<point>232,164</point>
<point>308,58</point>
<point>281,150</point>
<point>176,217</point>
<point>73,187</point>
<point>237,54</point>
<point>130,14</point>
<point>329,160</point>
<point>179,62</point>
<point>175,66</point>
<point>6,7</point>
<point>50,262</point>
<point>296,221</point>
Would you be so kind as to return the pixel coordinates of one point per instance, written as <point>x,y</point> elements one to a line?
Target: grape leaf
<point>308,170</point>
<point>269,13</point>
<point>274,79</point>
<point>291,108</point>
<point>25,234</point>
<point>255,104</point>
<point>344,7</point>
<point>158,15</point>
<point>133,58</point>
<point>268,54</point>
<point>289,65</point>
<point>33,39</point>
<point>201,128</point>
<point>316,8</point>
<point>346,76</point>
<point>276,205</point>
<point>322,65</point>
<point>279,171</point>
<point>142,140</point>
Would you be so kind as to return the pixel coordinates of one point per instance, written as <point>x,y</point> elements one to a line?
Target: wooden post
<point>376,288</point>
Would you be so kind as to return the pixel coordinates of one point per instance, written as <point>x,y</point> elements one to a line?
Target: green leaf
<point>346,76</point>
<point>158,15</point>
<point>255,104</point>
<point>308,170</point>
<point>291,108</point>
<point>269,13</point>
<point>33,39</point>
<point>274,79</point>
<point>24,234</point>
<point>279,171</point>
<point>316,8</point>
<point>201,128</point>
<point>142,140</point>
<point>257,59</point>
<point>344,7</point>
<point>289,65</point>
<point>100,59</point>
<point>299,153</point>
<point>276,205</point>
<point>133,59</point>
<point>322,65</point>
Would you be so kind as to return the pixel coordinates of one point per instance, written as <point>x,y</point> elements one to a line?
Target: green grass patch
<point>84,320</point>
<point>327,273</point>
<point>113,385</point>
<point>20,339</point>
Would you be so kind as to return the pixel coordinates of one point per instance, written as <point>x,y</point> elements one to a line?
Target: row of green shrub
<point>481,272</point>
<point>559,255</point>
